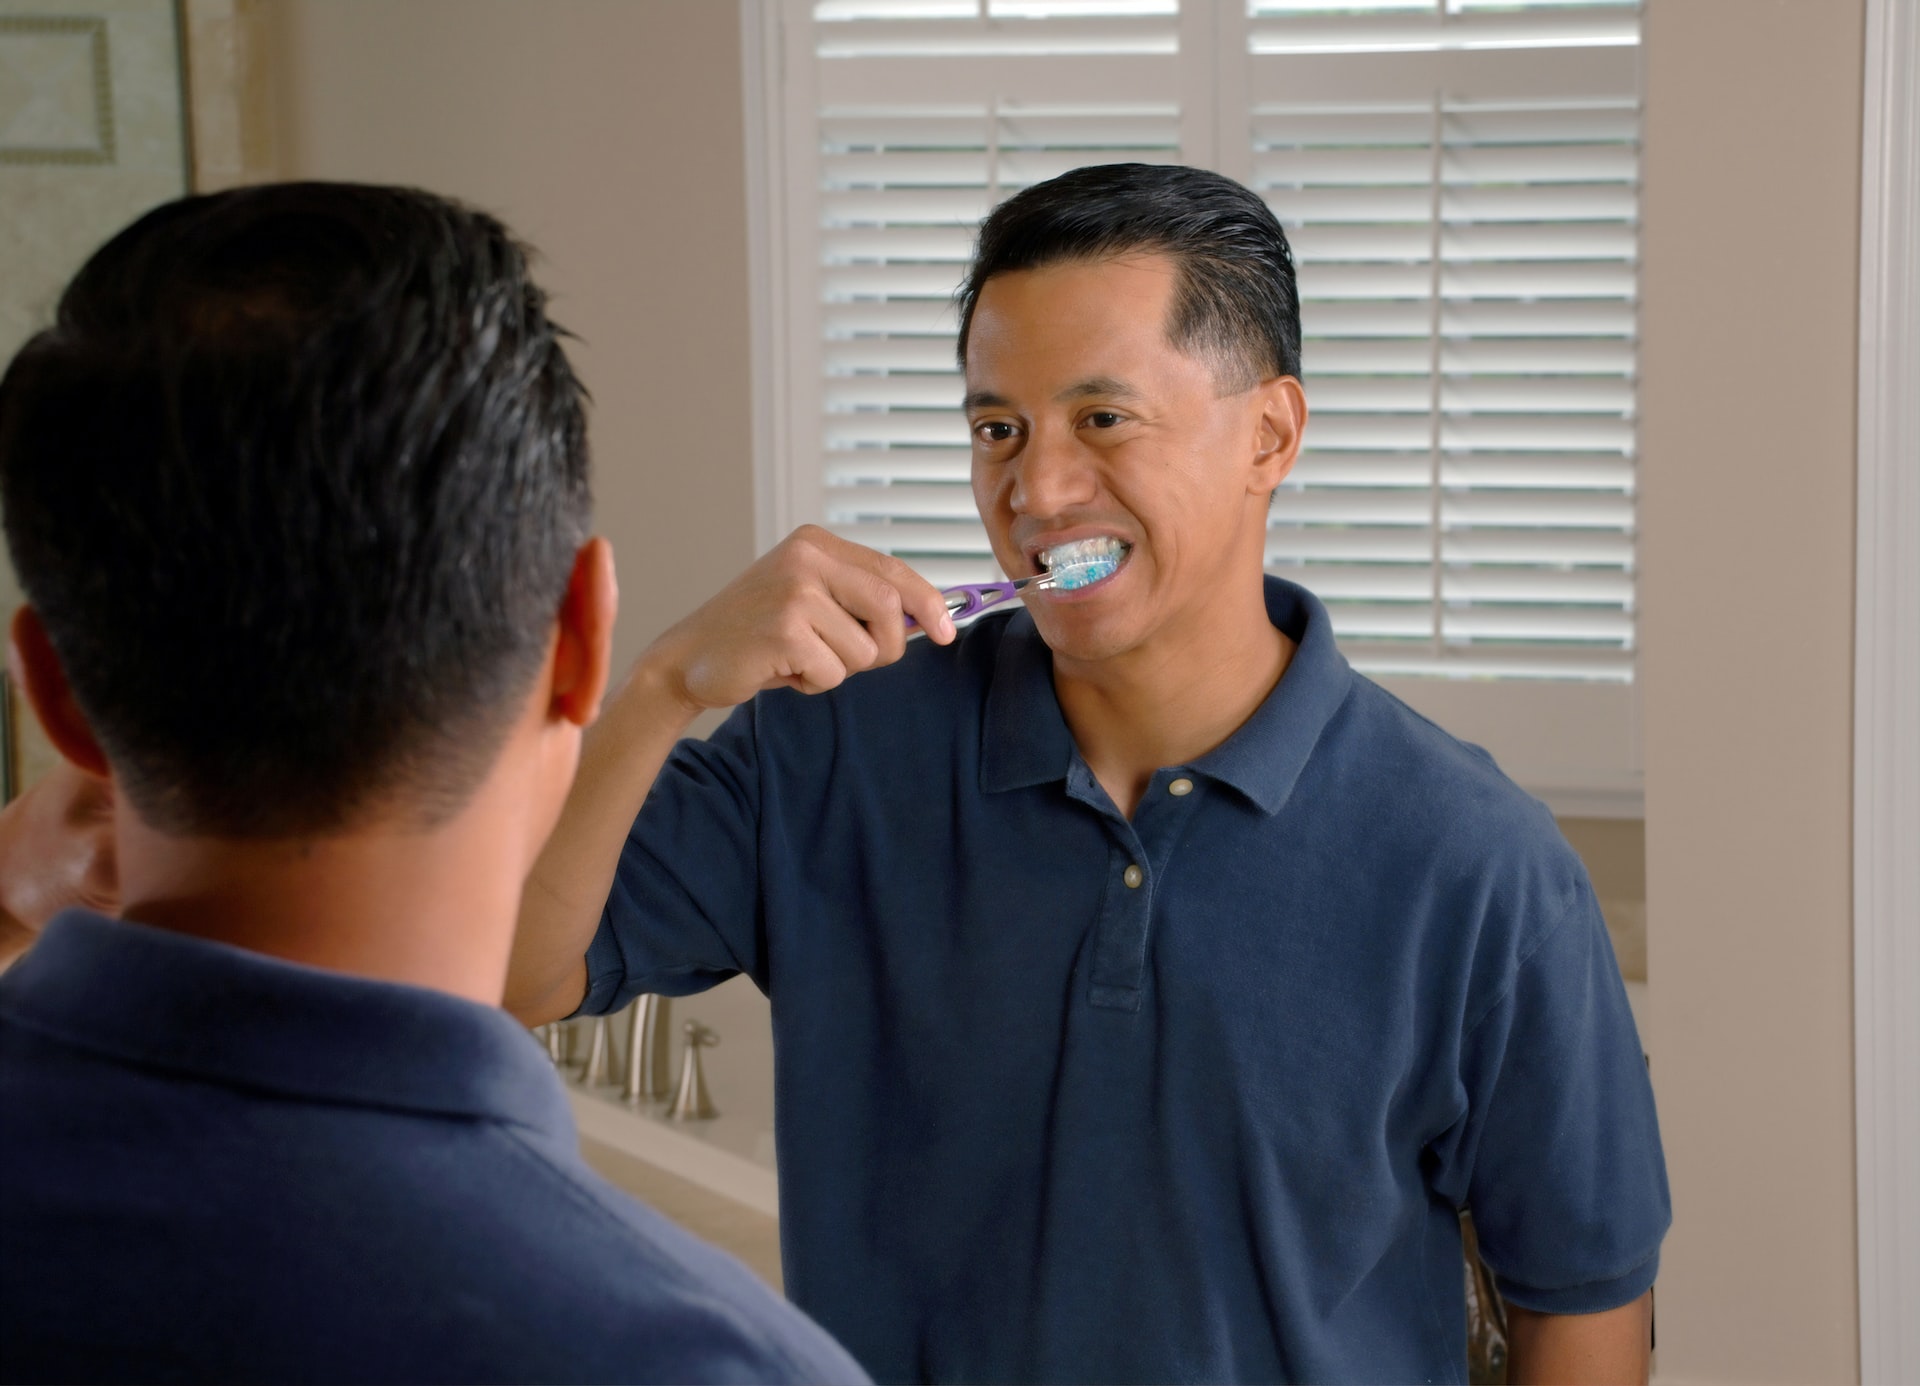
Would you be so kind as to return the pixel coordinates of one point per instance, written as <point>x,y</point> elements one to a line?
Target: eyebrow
<point>1098,387</point>
<point>1094,387</point>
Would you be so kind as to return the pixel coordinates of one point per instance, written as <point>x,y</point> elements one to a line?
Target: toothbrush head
<point>1082,562</point>
<point>1069,576</point>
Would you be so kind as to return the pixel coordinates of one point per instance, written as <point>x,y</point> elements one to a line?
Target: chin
<point>1079,636</point>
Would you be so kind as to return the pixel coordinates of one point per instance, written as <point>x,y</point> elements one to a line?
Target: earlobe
<point>583,647</point>
<point>36,664</point>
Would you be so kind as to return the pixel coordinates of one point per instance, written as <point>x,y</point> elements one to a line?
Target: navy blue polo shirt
<point>222,1167</point>
<point>1199,1096</point>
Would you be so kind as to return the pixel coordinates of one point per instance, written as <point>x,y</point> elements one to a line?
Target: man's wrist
<point>655,695</point>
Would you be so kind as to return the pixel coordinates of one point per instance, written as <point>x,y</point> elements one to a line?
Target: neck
<point>1176,697</point>
<point>431,908</point>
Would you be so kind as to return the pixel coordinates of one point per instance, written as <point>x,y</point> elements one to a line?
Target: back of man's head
<point>295,482</point>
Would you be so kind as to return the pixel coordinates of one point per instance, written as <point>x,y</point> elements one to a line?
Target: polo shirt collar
<point>1265,757</point>
<point>1027,741</point>
<point>162,1000</point>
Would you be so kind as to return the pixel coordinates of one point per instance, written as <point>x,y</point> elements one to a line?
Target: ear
<point>583,651</point>
<point>38,668</point>
<point>1278,429</point>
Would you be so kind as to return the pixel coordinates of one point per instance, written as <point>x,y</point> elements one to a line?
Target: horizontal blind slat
<point>896,280</point>
<point>1569,27</point>
<point>866,466</point>
<point>876,354</point>
<point>1603,548</point>
<point>910,317</point>
<point>967,168</point>
<point>1490,662</point>
<point>917,391</point>
<point>946,245</point>
<point>904,207</point>
<point>1480,356</point>
<point>900,428</point>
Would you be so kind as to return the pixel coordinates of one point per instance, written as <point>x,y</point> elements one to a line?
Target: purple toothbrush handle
<point>970,599</point>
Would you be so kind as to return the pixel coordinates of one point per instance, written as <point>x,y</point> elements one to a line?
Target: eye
<point>993,431</point>
<point>1104,418</point>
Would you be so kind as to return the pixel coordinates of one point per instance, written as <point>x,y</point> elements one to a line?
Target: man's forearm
<point>1602,1349</point>
<point>561,907</point>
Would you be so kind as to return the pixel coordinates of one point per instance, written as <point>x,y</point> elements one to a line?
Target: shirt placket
<point>1138,854</point>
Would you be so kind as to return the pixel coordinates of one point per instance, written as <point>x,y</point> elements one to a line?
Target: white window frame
<point>1575,745</point>
<point>1886,895</point>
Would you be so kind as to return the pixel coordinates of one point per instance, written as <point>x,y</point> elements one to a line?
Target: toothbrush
<point>972,599</point>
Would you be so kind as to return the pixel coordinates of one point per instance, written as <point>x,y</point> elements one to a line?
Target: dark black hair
<point>1236,302</point>
<point>296,480</point>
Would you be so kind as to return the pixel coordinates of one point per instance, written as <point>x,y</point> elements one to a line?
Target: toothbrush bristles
<point>1072,575</point>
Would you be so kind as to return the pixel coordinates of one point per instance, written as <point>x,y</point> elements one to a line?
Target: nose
<point>1052,475</point>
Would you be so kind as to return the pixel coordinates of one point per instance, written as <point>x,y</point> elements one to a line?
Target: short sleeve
<point>683,914</point>
<point>1559,1156</point>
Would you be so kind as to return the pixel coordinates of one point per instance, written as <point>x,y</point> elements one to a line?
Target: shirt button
<point>1180,786</point>
<point>1133,875</point>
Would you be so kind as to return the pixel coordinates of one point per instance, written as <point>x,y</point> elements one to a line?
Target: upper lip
<point>1032,548</point>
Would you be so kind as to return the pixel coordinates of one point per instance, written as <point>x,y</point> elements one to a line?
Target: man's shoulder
<point>349,1242</point>
<point>347,1235</point>
<point>630,1285</point>
<point>1443,796</point>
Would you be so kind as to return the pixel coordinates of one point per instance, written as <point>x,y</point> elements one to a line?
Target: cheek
<point>990,499</point>
<point>988,491</point>
<point>1188,501</point>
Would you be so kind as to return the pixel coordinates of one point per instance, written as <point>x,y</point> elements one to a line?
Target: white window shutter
<point>1459,179</point>
<point>1467,275</point>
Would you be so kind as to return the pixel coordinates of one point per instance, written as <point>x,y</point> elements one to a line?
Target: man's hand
<point>811,612</point>
<point>1605,1349</point>
<point>56,853</point>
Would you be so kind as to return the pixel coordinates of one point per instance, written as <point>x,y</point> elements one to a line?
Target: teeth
<point>1083,562</point>
<point>1103,548</point>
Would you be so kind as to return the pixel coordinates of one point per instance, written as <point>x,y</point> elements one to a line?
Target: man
<point>1150,991</point>
<point>297,488</point>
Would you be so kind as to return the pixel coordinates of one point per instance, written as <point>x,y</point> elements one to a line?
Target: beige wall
<point>1751,234</point>
<point>609,134</point>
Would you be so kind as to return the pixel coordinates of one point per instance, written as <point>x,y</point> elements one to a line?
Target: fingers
<point>874,606</point>
<point>918,598</point>
<point>878,589</point>
<point>851,643</point>
<point>812,666</point>
<point>807,615</point>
